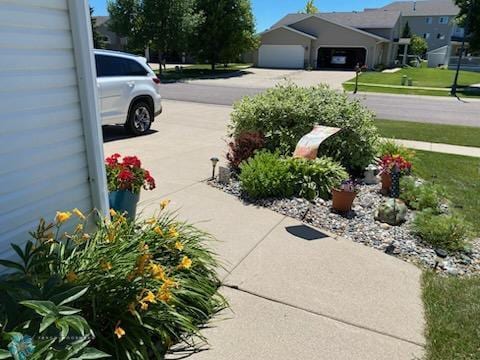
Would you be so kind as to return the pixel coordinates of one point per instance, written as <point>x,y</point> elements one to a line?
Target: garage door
<point>281,56</point>
<point>341,58</point>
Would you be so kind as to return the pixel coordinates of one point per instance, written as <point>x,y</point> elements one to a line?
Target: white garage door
<point>281,56</point>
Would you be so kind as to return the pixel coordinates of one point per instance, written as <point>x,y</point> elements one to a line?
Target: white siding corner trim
<point>51,147</point>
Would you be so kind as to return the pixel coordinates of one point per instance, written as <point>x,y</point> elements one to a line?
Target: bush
<point>270,175</point>
<point>266,175</point>
<point>288,112</point>
<point>151,283</point>
<point>391,148</point>
<point>421,196</point>
<point>243,147</point>
<point>448,232</point>
<point>316,178</point>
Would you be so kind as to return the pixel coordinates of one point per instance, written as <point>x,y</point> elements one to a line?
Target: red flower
<point>149,181</point>
<point>126,176</point>
<point>132,161</point>
<point>113,160</point>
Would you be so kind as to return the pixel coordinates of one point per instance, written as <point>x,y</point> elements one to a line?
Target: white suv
<point>129,91</point>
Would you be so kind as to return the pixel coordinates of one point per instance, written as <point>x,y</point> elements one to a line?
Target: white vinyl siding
<point>42,143</point>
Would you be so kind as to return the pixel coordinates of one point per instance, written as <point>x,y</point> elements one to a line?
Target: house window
<point>440,37</point>
<point>426,36</point>
<point>443,20</point>
<point>428,19</point>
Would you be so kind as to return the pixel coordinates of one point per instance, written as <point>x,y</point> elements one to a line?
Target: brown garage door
<point>341,58</point>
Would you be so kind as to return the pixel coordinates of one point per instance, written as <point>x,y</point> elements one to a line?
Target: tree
<point>407,32</point>
<point>98,40</point>
<point>162,25</point>
<point>418,45</point>
<point>469,18</point>
<point>310,7</point>
<point>125,21</point>
<point>226,31</point>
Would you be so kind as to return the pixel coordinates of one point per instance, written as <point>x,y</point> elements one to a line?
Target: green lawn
<point>446,134</point>
<point>202,71</point>
<point>460,175</point>
<point>452,309</point>
<point>422,77</point>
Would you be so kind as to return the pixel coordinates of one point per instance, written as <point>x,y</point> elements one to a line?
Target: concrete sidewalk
<point>291,298</point>
<point>440,148</point>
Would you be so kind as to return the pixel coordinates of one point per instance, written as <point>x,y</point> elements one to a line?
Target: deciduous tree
<point>310,7</point>
<point>226,32</point>
<point>98,40</point>
<point>469,18</point>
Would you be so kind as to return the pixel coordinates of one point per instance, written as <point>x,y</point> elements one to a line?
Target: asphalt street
<point>428,109</point>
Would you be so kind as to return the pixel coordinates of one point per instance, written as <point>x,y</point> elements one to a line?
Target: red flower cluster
<point>127,174</point>
<point>391,163</point>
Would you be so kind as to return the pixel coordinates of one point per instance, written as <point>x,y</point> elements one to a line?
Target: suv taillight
<point>156,80</point>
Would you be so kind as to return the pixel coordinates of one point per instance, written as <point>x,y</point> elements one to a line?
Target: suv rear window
<point>108,66</point>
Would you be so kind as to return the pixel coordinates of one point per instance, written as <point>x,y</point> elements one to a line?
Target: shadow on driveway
<point>115,133</point>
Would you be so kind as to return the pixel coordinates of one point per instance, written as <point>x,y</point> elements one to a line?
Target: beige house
<point>331,40</point>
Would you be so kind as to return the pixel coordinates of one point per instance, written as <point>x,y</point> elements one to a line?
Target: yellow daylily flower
<point>151,221</point>
<point>119,331</point>
<point>79,214</point>
<point>179,246</point>
<point>149,298</point>
<point>143,306</point>
<point>113,213</point>
<point>158,230</point>
<point>107,266</point>
<point>79,228</point>
<point>172,232</point>
<point>164,296</point>
<point>186,263</point>
<point>71,277</point>
<point>157,272</point>
<point>164,203</point>
<point>62,217</point>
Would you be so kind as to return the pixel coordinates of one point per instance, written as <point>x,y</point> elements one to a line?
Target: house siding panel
<point>42,145</point>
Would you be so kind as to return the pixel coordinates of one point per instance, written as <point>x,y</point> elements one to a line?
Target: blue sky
<point>269,11</point>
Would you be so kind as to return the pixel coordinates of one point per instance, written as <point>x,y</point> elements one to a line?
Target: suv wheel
<point>139,119</point>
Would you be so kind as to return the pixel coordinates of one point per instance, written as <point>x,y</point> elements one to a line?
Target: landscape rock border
<point>360,226</point>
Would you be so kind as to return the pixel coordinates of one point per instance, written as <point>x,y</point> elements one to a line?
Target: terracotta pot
<point>342,200</point>
<point>386,182</point>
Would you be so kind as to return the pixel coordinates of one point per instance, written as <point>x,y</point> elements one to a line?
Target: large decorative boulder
<point>392,212</point>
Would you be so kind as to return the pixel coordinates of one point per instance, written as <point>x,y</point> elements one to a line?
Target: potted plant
<point>343,197</point>
<point>126,178</point>
<point>392,167</point>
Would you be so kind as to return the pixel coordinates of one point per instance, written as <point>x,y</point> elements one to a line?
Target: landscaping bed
<point>416,214</point>
<point>360,226</point>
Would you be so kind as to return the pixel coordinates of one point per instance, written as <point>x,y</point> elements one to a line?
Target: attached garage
<point>341,57</point>
<point>281,56</point>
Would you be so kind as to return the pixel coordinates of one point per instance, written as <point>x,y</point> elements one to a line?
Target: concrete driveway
<point>266,78</point>
<point>291,299</point>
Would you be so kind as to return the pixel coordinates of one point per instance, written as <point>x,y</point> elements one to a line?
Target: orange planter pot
<point>386,183</point>
<point>342,201</point>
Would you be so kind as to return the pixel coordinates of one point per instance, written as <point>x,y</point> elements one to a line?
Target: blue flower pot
<point>124,202</point>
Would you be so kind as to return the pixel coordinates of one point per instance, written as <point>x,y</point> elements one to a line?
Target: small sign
<point>308,145</point>
<point>339,60</point>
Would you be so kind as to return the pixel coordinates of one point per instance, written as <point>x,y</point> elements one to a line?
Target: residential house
<point>111,39</point>
<point>341,40</point>
<point>331,40</point>
<point>434,20</point>
<point>51,147</point>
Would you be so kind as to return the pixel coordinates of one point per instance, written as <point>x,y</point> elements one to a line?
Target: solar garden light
<point>441,256</point>
<point>214,161</point>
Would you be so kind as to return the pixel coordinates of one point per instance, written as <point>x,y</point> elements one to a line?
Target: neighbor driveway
<point>291,298</point>
<point>266,78</point>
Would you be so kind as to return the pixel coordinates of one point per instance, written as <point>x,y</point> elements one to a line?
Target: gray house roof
<point>373,19</point>
<point>424,8</point>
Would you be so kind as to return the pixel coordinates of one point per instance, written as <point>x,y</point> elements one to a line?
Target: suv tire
<point>139,119</point>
